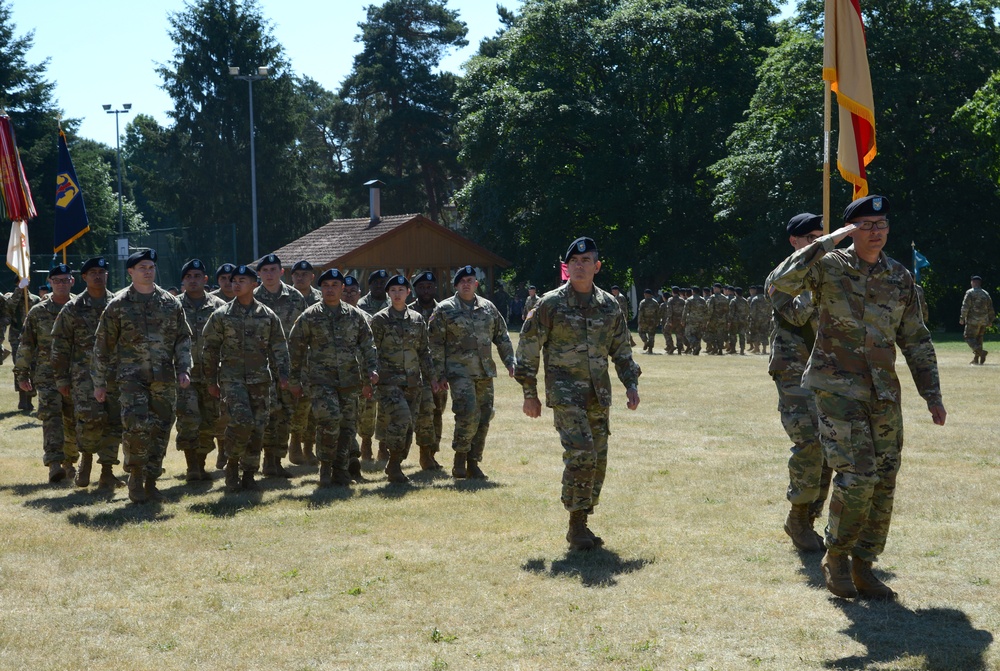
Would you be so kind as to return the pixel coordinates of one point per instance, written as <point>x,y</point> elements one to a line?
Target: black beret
<point>675,288</point>
<point>866,207</point>
<point>647,291</point>
<point>426,276</point>
<point>268,260</point>
<point>398,281</point>
<point>96,262</point>
<point>330,274</point>
<point>246,271</point>
<point>717,284</point>
<point>60,269</point>
<point>225,269</point>
<point>977,277</point>
<point>147,255</point>
<point>580,246</point>
<point>350,280</point>
<point>302,265</point>
<point>739,290</point>
<point>613,287</point>
<point>804,224</point>
<point>465,271</point>
<point>378,274</point>
<point>193,264</point>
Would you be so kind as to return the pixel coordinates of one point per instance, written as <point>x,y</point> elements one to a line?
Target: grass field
<point>696,574</point>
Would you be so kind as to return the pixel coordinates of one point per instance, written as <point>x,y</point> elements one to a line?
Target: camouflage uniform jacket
<point>977,308</point>
<point>864,313</point>
<point>313,297</point>
<point>197,314</point>
<point>15,312</point>
<point>221,296</point>
<point>695,311</point>
<point>739,314</point>
<point>460,338</point>
<point>675,311</point>
<point>623,304</point>
<point>34,355</point>
<point>649,314</point>
<point>73,337</point>
<point>718,310</point>
<point>370,305</point>
<point>576,338</point>
<point>331,346</point>
<point>924,310</point>
<point>244,344</point>
<point>288,304</point>
<point>404,358</point>
<point>529,304</point>
<point>794,331</point>
<point>760,311</point>
<point>664,313</point>
<point>424,312</point>
<point>144,337</point>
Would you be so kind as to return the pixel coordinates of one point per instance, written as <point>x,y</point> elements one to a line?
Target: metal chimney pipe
<point>375,199</point>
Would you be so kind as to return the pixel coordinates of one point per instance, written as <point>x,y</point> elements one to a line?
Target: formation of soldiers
<point>720,316</point>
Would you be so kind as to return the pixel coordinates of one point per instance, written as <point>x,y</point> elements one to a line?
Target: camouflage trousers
<point>974,336</point>
<point>647,333</point>
<point>584,433</point>
<point>367,416</point>
<point>715,337</point>
<point>279,423</point>
<point>336,414</point>
<point>58,426</point>
<point>430,419</point>
<point>806,481</point>
<point>399,406</point>
<point>692,334</point>
<point>303,420</point>
<point>674,336</point>
<point>862,442</point>
<point>472,403</point>
<point>248,408</point>
<point>199,420</point>
<point>98,425</point>
<point>147,412</point>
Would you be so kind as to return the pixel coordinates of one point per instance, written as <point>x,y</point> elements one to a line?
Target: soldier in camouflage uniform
<point>739,320</point>
<point>432,403</point>
<point>977,315</point>
<point>15,312</point>
<point>867,307</point>
<point>224,278</point>
<point>795,323</point>
<point>649,320</point>
<point>351,296</point>
<point>576,328</point>
<point>288,304</point>
<point>331,354</point>
<point>98,425</point>
<point>244,355</point>
<point>33,372</point>
<point>303,427</point>
<point>143,341</point>
<point>695,316</point>
<point>404,363</point>
<point>371,303</point>
<point>623,304</point>
<point>715,328</point>
<point>530,302</point>
<point>461,331</point>
<point>672,312</point>
<point>760,320</point>
<point>925,312</point>
<point>199,418</point>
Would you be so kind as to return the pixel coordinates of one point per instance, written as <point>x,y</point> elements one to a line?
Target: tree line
<point>681,134</point>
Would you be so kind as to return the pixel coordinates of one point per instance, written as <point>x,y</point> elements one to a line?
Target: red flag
<point>563,272</point>
<point>845,66</point>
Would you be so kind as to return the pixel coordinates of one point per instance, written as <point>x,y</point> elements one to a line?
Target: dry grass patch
<point>697,573</point>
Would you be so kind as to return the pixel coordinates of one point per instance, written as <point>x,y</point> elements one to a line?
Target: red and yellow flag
<point>845,66</point>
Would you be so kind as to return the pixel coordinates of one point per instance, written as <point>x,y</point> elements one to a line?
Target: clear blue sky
<point>106,51</point>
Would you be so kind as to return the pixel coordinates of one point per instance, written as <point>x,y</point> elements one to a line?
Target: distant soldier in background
<point>224,278</point>
<point>626,310</point>
<point>33,372</point>
<point>463,330</point>
<point>15,313</point>
<point>371,303</point>
<point>530,302</point>
<point>977,315</point>
<point>739,320</point>
<point>715,328</point>
<point>199,422</point>
<point>673,324</point>
<point>98,424</point>
<point>303,426</point>
<point>288,304</point>
<point>695,317</point>
<point>760,320</point>
<point>649,320</point>
<point>430,420</point>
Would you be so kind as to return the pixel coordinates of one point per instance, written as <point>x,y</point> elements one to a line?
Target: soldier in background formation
<point>430,419</point>
<point>624,305</point>
<point>715,328</point>
<point>224,278</point>
<point>672,321</point>
<point>530,302</point>
<point>371,303</point>
<point>649,320</point>
<point>739,321</point>
<point>13,320</point>
<point>143,341</point>
<point>33,373</point>
<point>760,320</point>
<point>303,426</point>
<point>977,315</point>
<point>695,317</point>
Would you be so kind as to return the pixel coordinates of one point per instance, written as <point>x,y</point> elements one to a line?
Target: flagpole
<point>826,155</point>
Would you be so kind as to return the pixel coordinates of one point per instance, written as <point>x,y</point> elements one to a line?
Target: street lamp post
<point>262,73</point>
<point>121,219</point>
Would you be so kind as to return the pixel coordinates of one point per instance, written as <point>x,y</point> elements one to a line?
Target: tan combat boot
<point>268,466</point>
<point>108,481</point>
<point>577,536</point>
<point>56,472</point>
<point>383,452</point>
<point>233,476</point>
<point>837,573</point>
<point>247,482</point>
<point>325,473</point>
<point>598,541</point>
<point>427,460</point>
<point>458,468</point>
<point>295,450</point>
<point>69,470</point>
<point>136,486</point>
<point>199,462</point>
<point>354,470</point>
<point>366,449</point>
<point>152,493</point>
<point>869,587</point>
<point>982,356</point>
<point>394,469</point>
<point>474,472</point>
<point>86,464</point>
<point>799,528</point>
<point>307,453</point>
<point>220,457</point>
<point>190,458</point>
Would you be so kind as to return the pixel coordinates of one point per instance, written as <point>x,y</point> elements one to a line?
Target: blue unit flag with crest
<point>71,213</point>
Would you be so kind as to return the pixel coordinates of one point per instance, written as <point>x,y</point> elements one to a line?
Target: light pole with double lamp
<point>122,240</point>
<point>262,73</point>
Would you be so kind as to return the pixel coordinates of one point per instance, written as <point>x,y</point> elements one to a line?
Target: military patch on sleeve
<point>531,313</point>
<point>771,290</point>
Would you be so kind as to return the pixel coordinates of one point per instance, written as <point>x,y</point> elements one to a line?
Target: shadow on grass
<point>12,413</point>
<point>471,485</point>
<point>320,497</point>
<point>130,513</point>
<point>27,425</point>
<point>595,568</point>
<point>69,499</point>
<point>231,503</point>
<point>943,637</point>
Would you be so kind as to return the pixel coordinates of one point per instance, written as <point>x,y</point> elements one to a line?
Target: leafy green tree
<point>403,108</point>
<point>600,117</point>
